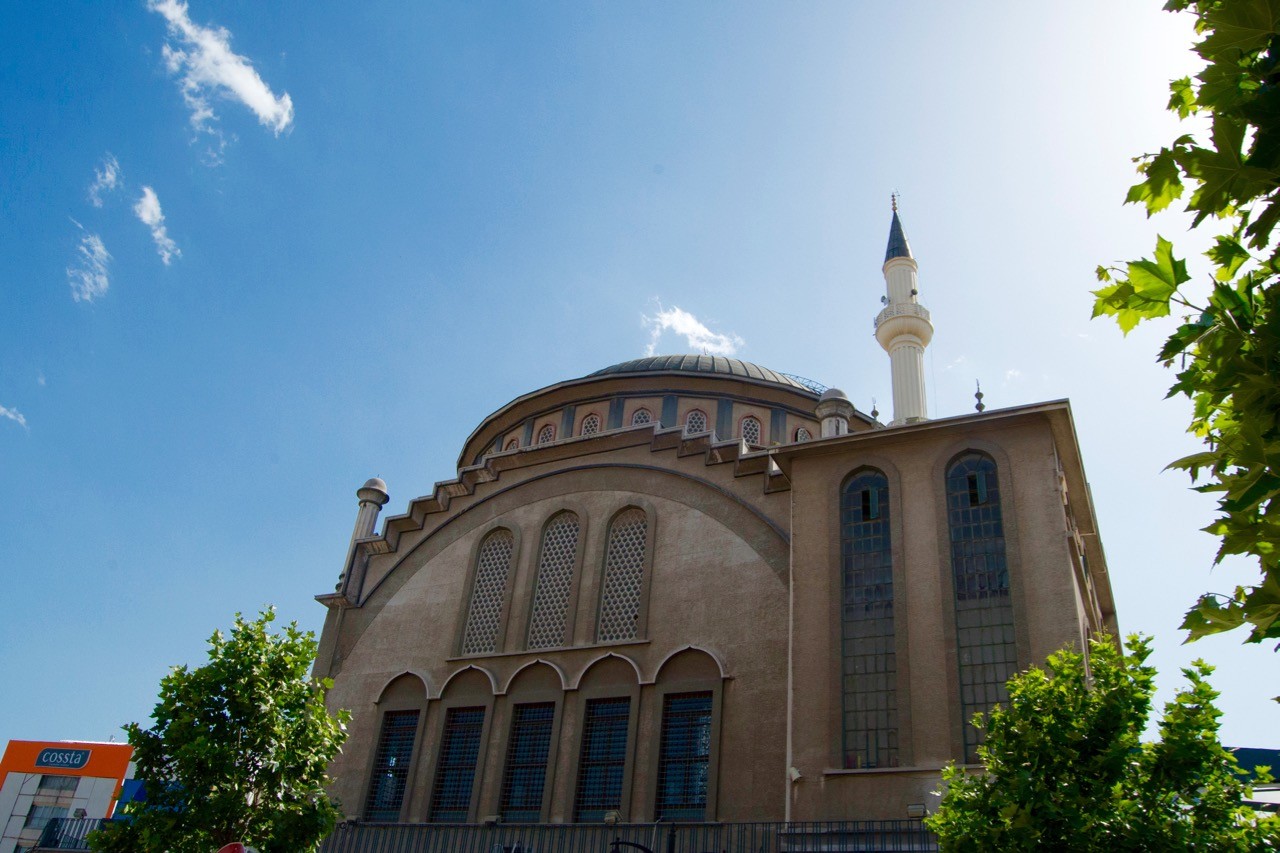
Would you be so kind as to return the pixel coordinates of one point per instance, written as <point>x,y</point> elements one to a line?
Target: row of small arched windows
<point>549,626</point>
<point>983,612</point>
<point>749,428</point>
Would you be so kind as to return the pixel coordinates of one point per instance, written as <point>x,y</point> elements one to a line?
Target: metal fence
<point>67,833</point>
<point>891,836</point>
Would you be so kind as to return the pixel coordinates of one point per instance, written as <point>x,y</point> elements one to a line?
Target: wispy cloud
<point>206,66</point>
<point>697,336</point>
<point>14,415</point>
<point>148,210</point>
<point>88,277</point>
<point>957,362</point>
<point>105,179</point>
<point>1012,373</point>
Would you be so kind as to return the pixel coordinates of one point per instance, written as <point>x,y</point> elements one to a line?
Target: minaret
<point>903,327</point>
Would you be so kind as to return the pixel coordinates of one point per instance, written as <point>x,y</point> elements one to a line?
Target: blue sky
<point>332,242</point>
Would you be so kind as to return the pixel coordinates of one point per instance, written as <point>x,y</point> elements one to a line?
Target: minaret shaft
<point>903,328</point>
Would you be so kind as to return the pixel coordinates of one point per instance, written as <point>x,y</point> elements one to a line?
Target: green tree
<point>1227,347</point>
<point>238,751</point>
<point>1065,769</point>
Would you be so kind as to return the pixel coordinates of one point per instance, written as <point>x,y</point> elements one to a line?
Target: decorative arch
<point>577,684</point>
<point>628,567</point>
<point>401,709</point>
<point>449,682</point>
<point>689,691</point>
<point>695,422</point>
<point>490,581</point>
<point>590,424</point>
<point>716,660</point>
<point>803,434</point>
<point>641,416</point>
<point>547,434</point>
<point>564,681</point>
<point>513,444</point>
<point>423,680</point>
<point>751,430</point>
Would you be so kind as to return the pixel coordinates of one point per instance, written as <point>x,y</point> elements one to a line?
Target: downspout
<point>791,641</point>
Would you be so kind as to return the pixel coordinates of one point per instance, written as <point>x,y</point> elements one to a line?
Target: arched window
<point>984,614</point>
<point>641,416</point>
<point>803,434</point>
<point>590,425</point>
<point>623,577</point>
<point>488,592</point>
<point>554,584</point>
<point>695,422</point>
<point>547,434</point>
<point>869,671</point>
<point>513,444</point>
<point>750,431</point>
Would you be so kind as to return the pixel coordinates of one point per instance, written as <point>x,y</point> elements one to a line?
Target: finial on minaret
<point>875,413</point>
<point>978,396</point>
<point>903,327</point>
<point>893,200</point>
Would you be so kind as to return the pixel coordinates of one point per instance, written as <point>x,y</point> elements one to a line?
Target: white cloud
<point>206,65</point>
<point>1012,373</point>
<point>956,363</point>
<point>105,179</point>
<point>697,336</point>
<point>148,210</point>
<point>89,278</point>
<point>13,415</point>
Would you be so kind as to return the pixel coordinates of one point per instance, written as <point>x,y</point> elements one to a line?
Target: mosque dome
<point>705,364</point>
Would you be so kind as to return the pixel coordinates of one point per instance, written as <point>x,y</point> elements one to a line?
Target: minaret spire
<point>903,327</point>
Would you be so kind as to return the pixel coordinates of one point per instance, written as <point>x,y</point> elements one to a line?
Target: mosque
<point>690,588</point>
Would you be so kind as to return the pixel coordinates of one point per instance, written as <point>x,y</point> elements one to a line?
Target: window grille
<point>695,423</point>
<point>490,588</point>
<point>603,759</point>
<point>590,425</point>
<point>751,430</point>
<point>869,671</point>
<point>391,766</point>
<point>985,642</point>
<point>548,621</point>
<point>513,444</point>
<point>58,784</point>
<point>526,772</point>
<point>685,756</point>
<point>456,767</point>
<point>803,434</point>
<point>641,416</point>
<point>547,434</point>
<point>623,577</point>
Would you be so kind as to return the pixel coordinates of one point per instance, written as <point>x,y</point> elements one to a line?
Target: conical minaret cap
<point>898,246</point>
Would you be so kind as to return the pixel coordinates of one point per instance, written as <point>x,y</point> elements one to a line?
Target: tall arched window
<point>641,416</point>
<point>695,422</point>
<point>750,431</point>
<point>547,434</point>
<point>488,592</point>
<point>623,576</point>
<point>554,584</point>
<point>590,425</point>
<point>869,669</point>
<point>984,614</point>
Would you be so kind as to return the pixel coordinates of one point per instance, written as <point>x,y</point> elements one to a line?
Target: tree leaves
<point>1227,350</point>
<point>238,751</point>
<point>1066,768</point>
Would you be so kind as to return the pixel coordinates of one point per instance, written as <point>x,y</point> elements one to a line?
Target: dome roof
<point>705,364</point>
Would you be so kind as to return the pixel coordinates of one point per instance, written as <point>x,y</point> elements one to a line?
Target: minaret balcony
<point>902,309</point>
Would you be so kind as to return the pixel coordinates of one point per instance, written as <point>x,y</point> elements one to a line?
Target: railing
<point>897,836</point>
<point>900,309</point>
<point>68,833</point>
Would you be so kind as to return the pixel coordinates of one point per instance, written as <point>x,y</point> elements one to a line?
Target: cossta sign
<point>63,759</point>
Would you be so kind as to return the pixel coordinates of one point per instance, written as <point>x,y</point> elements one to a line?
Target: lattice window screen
<point>590,425</point>
<point>751,430</point>
<point>623,577</point>
<point>485,616</point>
<point>641,416</point>
<point>547,434</point>
<point>684,757</point>
<point>513,444</point>
<point>803,434</point>
<point>695,423</point>
<point>548,621</point>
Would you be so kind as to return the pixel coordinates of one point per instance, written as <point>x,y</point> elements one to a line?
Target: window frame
<point>706,422</point>
<point>532,697</point>
<point>742,433</point>
<point>575,585</point>
<point>642,604</point>
<point>582,424</point>
<point>584,696</point>
<point>636,412</point>
<point>391,700</point>
<point>662,688</point>
<point>504,615</point>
